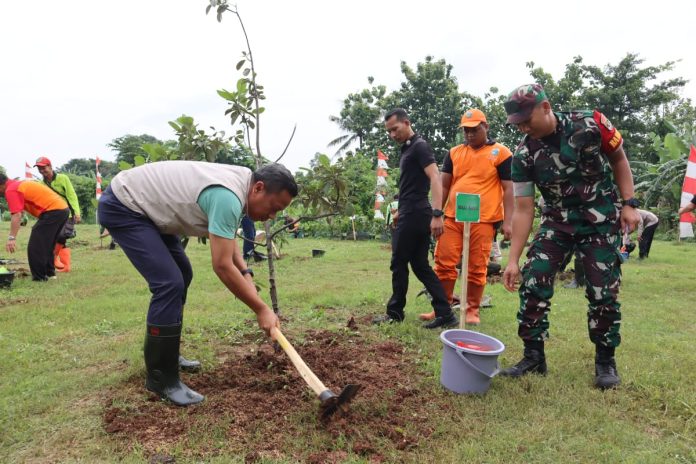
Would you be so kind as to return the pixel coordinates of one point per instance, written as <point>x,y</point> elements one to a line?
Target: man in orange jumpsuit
<point>479,166</point>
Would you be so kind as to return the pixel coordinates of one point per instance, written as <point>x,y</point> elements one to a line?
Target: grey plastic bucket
<point>466,370</point>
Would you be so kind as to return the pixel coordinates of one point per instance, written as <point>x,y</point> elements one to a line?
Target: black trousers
<point>42,241</point>
<point>645,241</point>
<point>410,243</point>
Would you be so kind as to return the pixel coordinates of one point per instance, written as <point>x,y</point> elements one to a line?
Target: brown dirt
<point>12,301</point>
<point>257,405</point>
<point>20,272</point>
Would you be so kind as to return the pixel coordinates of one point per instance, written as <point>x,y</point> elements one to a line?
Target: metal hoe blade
<point>331,403</point>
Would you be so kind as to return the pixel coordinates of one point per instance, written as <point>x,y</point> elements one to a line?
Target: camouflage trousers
<point>600,257</point>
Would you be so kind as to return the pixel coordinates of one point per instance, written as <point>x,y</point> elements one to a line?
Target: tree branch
<point>302,218</point>
<point>286,146</point>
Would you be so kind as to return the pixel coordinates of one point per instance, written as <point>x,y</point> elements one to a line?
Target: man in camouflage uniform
<point>570,157</point>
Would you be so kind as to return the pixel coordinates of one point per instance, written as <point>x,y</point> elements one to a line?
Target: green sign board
<point>468,207</point>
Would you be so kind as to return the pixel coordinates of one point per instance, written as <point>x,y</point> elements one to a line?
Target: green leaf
<point>245,72</point>
<point>260,110</point>
<point>175,126</point>
<point>324,160</point>
<point>229,96</point>
<point>139,160</point>
<point>185,120</point>
<point>124,166</point>
<point>240,64</point>
<point>207,9</point>
<point>242,86</point>
<point>675,145</point>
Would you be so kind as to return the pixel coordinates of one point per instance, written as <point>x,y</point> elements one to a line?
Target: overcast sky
<point>75,74</point>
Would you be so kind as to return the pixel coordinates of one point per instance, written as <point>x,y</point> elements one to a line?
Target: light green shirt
<point>62,186</point>
<point>224,210</point>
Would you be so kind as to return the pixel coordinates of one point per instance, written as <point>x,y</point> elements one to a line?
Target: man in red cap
<point>50,210</point>
<point>60,183</point>
<point>479,166</point>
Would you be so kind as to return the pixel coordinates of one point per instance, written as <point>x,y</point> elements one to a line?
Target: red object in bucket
<point>474,346</point>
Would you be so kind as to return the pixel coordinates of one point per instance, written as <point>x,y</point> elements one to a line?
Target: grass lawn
<point>70,345</point>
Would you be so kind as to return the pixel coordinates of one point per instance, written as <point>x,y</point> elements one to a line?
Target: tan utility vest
<point>167,191</point>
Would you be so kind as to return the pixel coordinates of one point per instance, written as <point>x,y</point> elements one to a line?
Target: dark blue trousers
<point>249,234</point>
<point>158,257</point>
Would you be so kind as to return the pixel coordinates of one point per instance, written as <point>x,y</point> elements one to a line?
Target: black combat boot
<point>534,361</point>
<point>162,364</point>
<point>606,375</point>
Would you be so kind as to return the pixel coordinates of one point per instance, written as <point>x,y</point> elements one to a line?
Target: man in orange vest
<point>479,166</point>
<point>51,211</point>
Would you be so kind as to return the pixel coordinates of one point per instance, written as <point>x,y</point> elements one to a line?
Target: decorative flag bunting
<point>686,220</point>
<point>27,172</point>
<point>381,183</point>
<point>99,180</point>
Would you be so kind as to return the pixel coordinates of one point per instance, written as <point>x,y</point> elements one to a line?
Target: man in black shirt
<point>688,207</point>
<point>416,220</point>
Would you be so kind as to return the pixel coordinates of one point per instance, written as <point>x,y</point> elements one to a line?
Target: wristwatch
<point>248,271</point>
<point>632,202</point>
<point>438,213</point>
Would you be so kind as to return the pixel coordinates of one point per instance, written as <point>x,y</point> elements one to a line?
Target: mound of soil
<point>257,405</point>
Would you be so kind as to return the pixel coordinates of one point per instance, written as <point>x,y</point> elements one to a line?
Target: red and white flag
<point>686,220</point>
<point>381,183</point>
<point>27,172</point>
<point>99,180</point>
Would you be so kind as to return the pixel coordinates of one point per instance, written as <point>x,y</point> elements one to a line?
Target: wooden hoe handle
<point>306,373</point>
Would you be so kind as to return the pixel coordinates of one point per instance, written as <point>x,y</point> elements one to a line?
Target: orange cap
<point>473,118</point>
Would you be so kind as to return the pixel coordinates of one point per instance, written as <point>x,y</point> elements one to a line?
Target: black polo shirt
<point>414,184</point>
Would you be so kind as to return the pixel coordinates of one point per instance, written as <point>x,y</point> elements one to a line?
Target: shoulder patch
<point>605,122</point>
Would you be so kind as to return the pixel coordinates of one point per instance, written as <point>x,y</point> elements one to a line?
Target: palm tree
<point>346,140</point>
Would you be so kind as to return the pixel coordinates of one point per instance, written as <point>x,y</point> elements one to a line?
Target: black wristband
<point>632,202</point>
<point>248,271</point>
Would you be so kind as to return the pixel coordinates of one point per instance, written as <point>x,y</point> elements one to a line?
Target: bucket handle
<point>476,368</point>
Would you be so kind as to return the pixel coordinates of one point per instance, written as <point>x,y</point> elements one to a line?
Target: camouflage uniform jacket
<point>572,172</point>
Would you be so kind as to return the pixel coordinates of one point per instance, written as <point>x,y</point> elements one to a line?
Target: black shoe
<point>189,365</point>
<point>533,362</point>
<point>443,322</point>
<point>386,319</point>
<point>606,375</point>
<point>258,257</point>
<point>162,365</point>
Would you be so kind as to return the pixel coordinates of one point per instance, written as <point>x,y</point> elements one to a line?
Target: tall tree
<point>360,117</point>
<point>129,146</point>
<point>87,167</point>
<point>431,96</point>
